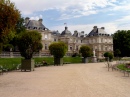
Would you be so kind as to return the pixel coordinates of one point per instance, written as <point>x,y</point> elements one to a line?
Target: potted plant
<point>108,56</point>
<point>58,50</point>
<point>29,42</point>
<point>86,52</point>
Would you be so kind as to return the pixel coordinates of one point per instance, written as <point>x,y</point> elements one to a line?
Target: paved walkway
<point>72,80</point>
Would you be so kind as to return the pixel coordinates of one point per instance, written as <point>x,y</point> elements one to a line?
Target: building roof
<point>97,31</point>
<point>66,32</point>
<point>78,34</point>
<point>56,33</point>
<point>34,24</point>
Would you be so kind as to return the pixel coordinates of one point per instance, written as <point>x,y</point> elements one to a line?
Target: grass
<point>123,67</point>
<point>12,63</point>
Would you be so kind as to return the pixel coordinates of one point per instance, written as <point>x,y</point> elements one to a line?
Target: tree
<point>58,50</point>
<point>86,51</point>
<point>9,16</point>
<point>28,43</point>
<point>121,41</point>
<point>20,27</point>
<point>108,55</point>
<point>117,52</point>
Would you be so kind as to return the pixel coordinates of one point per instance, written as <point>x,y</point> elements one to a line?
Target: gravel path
<point>72,80</point>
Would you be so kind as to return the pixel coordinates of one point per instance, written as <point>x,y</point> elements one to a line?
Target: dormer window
<point>35,28</point>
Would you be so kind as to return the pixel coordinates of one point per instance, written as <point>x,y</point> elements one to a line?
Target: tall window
<point>45,46</point>
<point>81,41</point>
<point>70,48</point>
<point>102,40</point>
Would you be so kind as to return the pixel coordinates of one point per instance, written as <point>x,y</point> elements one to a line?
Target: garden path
<point>71,80</point>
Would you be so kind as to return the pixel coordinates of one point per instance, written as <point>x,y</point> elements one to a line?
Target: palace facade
<point>97,39</point>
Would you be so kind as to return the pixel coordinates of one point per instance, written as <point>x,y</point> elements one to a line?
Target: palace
<point>97,39</point>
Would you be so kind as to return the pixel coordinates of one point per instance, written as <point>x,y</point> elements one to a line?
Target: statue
<point>94,53</point>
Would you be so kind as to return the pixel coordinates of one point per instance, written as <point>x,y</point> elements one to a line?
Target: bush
<point>58,49</point>
<point>108,55</point>
<point>85,51</point>
<point>29,42</point>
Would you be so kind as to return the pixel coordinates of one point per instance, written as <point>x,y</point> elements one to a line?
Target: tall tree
<point>9,16</point>
<point>121,41</point>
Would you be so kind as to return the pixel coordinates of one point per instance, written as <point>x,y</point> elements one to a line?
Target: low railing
<point>17,54</point>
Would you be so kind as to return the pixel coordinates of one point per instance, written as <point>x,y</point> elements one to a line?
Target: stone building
<point>97,39</point>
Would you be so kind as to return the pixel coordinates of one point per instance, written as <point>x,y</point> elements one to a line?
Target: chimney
<point>103,28</point>
<point>40,20</point>
<point>27,20</point>
<point>95,27</point>
<point>66,28</point>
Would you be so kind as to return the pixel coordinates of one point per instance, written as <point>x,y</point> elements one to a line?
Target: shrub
<point>108,55</point>
<point>85,51</point>
<point>58,49</point>
<point>29,42</point>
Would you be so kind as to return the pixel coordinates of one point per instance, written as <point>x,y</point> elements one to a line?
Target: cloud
<point>75,8</point>
<point>36,17</point>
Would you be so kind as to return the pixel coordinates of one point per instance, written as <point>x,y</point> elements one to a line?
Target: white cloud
<point>36,17</point>
<point>77,7</point>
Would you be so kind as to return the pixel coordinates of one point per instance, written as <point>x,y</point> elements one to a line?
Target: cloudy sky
<point>80,15</point>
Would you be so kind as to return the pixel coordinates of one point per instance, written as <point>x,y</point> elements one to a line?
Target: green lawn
<point>123,67</point>
<point>11,63</point>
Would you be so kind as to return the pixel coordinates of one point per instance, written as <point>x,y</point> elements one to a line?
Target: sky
<point>80,15</point>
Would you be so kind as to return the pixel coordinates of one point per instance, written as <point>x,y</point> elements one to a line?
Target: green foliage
<point>108,54</point>
<point>121,41</point>
<point>117,52</point>
<point>12,63</point>
<point>7,47</point>
<point>86,51</point>
<point>20,26</point>
<point>123,67</point>
<point>58,49</point>
<point>29,42</point>
<point>9,16</point>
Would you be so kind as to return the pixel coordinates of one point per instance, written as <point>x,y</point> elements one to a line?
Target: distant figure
<point>44,62</point>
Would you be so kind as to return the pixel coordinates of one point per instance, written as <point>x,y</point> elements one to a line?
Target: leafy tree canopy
<point>121,41</point>
<point>109,55</point>
<point>86,51</point>
<point>9,16</point>
<point>28,43</point>
<point>58,49</point>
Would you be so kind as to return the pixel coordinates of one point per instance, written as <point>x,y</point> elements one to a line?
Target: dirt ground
<point>71,80</point>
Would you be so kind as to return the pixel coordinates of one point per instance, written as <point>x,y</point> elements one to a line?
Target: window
<point>77,48</point>
<point>70,48</point>
<point>54,39</point>
<point>102,40</point>
<point>81,41</point>
<point>45,46</point>
<point>105,48</point>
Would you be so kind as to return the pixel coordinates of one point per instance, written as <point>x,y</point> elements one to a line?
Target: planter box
<point>58,61</point>
<point>85,60</point>
<point>27,64</point>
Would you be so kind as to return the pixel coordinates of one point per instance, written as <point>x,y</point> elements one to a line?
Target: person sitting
<point>44,62</point>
